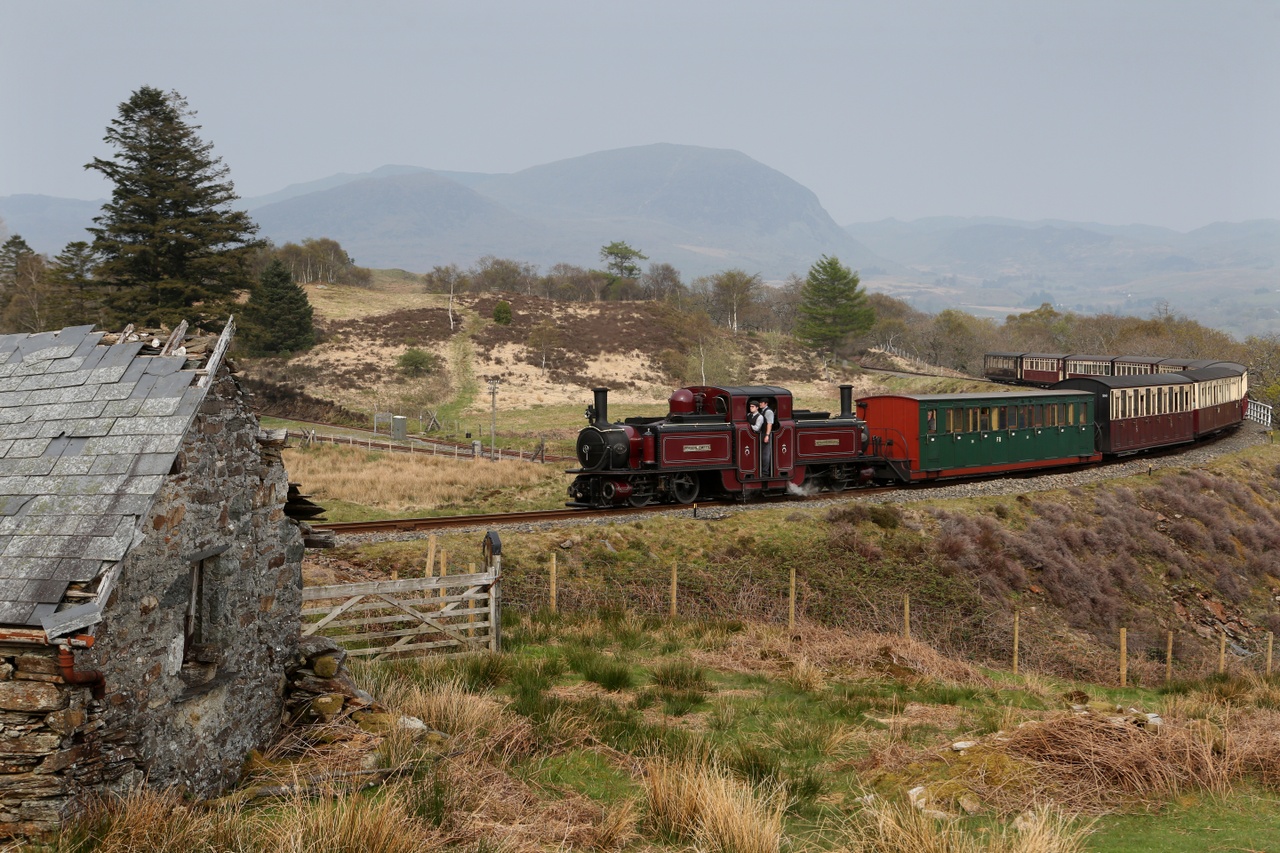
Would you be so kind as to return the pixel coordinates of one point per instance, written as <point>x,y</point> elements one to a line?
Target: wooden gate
<point>450,615</point>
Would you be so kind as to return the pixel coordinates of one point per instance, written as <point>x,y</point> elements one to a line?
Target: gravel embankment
<point>1248,435</point>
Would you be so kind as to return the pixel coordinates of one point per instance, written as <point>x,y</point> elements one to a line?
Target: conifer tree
<point>168,237</point>
<point>279,315</point>
<point>832,306</point>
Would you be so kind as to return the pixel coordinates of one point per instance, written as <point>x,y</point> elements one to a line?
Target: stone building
<point>149,579</point>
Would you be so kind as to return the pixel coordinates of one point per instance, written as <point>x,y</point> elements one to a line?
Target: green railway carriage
<point>934,436</point>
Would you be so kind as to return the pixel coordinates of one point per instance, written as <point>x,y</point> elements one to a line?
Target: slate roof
<point>88,432</point>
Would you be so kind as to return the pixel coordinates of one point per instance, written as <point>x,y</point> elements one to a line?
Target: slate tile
<point>160,407</point>
<point>25,568</point>
<point>88,484</point>
<point>13,398</point>
<point>119,409</point>
<point>152,463</point>
<point>142,388</point>
<point>26,466</point>
<point>134,371</point>
<point>173,385</point>
<point>56,380</point>
<point>27,429</point>
<point>14,416</point>
<point>79,427</point>
<point>102,445</point>
<point>39,613</point>
<point>18,485</point>
<point>165,365</point>
<point>88,348</point>
<point>113,391</point>
<point>28,447</point>
<point>77,570</point>
<point>77,394</point>
<point>66,365</point>
<point>48,591</point>
<point>120,355</point>
<point>135,505</point>
<point>45,546</point>
<point>101,376</point>
<point>136,485</point>
<point>150,426</point>
<point>111,463</point>
<point>67,411</point>
<point>15,612</point>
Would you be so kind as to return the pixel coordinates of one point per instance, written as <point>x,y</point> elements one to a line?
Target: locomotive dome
<point>681,402</point>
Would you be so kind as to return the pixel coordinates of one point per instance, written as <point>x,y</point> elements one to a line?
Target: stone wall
<point>186,696</point>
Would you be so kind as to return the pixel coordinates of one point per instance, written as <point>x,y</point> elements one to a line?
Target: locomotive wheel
<point>684,488</point>
<point>642,491</point>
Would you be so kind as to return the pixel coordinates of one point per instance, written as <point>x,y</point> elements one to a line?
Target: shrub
<point>416,362</point>
<point>502,313</point>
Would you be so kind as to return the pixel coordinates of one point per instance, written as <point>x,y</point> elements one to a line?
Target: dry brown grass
<point>771,650</point>
<point>407,483</point>
<point>899,828</point>
<point>155,822</point>
<point>1093,764</point>
<point>706,805</point>
<point>475,722</point>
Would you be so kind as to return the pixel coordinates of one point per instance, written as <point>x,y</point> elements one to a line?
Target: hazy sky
<point>1120,111</point>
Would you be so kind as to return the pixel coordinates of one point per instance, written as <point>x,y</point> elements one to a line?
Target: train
<point>703,447</point>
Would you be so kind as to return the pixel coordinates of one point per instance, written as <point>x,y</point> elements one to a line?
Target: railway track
<point>407,525</point>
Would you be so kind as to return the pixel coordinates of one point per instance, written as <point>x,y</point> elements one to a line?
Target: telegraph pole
<point>493,423</point>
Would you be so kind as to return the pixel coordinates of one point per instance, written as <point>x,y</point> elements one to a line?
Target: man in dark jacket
<point>766,441</point>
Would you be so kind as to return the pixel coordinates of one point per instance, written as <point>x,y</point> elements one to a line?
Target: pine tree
<point>832,306</point>
<point>279,316</point>
<point>168,237</point>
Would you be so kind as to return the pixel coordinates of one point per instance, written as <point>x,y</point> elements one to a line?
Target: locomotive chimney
<point>602,405</point>
<point>846,401</point>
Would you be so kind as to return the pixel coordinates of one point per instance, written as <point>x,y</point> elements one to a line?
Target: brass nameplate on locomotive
<point>827,442</point>
<point>695,448</point>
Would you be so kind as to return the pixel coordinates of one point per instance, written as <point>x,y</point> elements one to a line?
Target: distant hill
<point>702,210</point>
<point>705,210</point>
<point>48,223</point>
<point>1226,275</point>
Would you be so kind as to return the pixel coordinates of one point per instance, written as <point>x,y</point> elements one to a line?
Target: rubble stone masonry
<point>195,637</point>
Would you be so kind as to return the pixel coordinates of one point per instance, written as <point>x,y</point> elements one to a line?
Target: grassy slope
<point>1191,537</point>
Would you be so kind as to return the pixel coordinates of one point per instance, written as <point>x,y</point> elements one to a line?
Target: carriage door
<point>930,445</point>
<point>748,451</point>
<point>784,450</point>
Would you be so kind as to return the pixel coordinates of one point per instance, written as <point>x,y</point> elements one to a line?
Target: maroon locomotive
<point>705,446</point>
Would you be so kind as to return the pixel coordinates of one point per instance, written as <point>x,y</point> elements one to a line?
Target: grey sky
<point>1152,111</point>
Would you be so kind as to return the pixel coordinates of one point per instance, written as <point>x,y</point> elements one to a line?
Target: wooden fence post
<point>431,556</point>
<point>444,568</point>
<point>674,582</point>
<point>906,615</point>
<point>1222,653</point>
<point>1168,658</point>
<point>553,582</point>
<point>1124,658</point>
<point>791,610</point>
<point>1016,615</point>
<point>1270,639</point>
<point>471,617</point>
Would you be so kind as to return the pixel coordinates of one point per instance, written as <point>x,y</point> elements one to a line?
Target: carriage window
<point>931,420</point>
<point>1000,418</point>
<point>1071,414</point>
<point>971,416</point>
<point>984,418</point>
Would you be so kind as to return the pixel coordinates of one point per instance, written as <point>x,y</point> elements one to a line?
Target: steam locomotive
<point>704,445</point>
